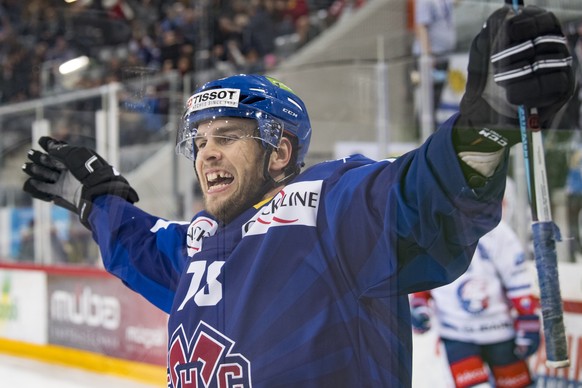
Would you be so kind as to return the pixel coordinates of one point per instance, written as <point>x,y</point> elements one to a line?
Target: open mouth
<point>218,179</point>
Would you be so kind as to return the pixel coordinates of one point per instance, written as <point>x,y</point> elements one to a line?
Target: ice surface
<point>28,373</point>
<point>429,371</point>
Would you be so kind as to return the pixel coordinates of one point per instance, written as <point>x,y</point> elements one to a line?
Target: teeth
<point>213,176</point>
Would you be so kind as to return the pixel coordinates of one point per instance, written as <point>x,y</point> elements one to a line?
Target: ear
<point>280,158</point>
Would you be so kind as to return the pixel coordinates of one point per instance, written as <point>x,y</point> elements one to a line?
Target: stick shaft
<point>544,234</point>
<point>542,192</point>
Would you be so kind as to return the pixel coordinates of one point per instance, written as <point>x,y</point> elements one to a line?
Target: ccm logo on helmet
<point>290,112</point>
<point>212,98</point>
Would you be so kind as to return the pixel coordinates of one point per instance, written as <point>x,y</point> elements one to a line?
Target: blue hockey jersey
<point>308,289</point>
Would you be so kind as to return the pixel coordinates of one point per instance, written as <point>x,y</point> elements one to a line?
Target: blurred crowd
<point>125,40</point>
<point>119,36</point>
<point>137,43</point>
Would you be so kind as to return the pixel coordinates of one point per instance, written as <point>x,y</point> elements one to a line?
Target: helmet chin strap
<point>268,181</point>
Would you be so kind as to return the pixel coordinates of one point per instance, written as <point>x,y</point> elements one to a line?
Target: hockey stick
<point>544,233</point>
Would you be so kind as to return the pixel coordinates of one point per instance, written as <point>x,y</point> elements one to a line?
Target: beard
<point>251,192</point>
<point>249,195</point>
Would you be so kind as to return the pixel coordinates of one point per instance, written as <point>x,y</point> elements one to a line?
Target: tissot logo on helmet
<point>211,98</point>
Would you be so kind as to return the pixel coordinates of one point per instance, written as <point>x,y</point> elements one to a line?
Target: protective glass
<point>192,137</point>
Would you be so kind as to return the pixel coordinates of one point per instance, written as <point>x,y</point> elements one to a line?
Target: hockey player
<point>301,279</point>
<point>487,318</point>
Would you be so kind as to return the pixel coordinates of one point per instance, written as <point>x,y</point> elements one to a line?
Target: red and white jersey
<point>478,306</point>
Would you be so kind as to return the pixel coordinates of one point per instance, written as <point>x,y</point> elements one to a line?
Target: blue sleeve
<point>412,224</point>
<point>144,251</point>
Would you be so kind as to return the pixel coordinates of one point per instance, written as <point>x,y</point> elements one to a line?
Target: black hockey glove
<point>515,60</point>
<point>72,176</point>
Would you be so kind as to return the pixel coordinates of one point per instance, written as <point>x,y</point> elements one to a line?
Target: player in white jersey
<point>487,318</point>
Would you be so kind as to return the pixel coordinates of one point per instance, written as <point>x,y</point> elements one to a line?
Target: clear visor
<point>194,131</point>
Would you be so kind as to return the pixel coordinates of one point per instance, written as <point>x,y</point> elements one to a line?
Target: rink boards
<point>81,317</point>
<point>87,318</point>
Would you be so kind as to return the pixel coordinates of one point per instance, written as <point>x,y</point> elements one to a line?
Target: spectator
<point>171,20</point>
<point>61,51</point>
<point>52,25</point>
<point>435,40</point>
<point>188,24</point>
<point>258,37</point>
<point>282,18</point>
<point>6,29</point>
<point>12,10</point>
<point>16,72</point>
<point>299,11</point>
<point>170,45</point>
<point>227,31</point>
<point>185,64</point>
<point>143,45</point>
